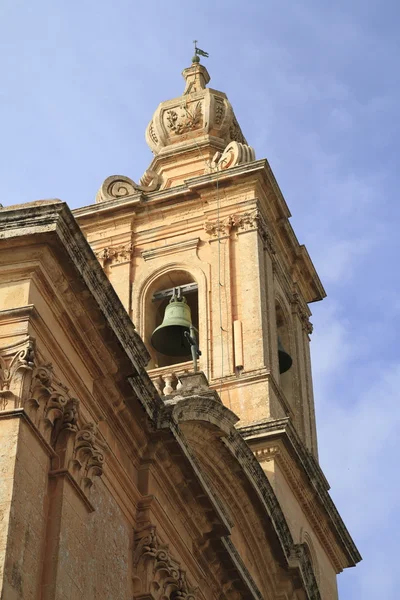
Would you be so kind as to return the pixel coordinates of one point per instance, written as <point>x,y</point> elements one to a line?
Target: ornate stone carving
<point>88,456</point>
<point>48,402</point>
<point>241,222</point>
<point>234,154</point>
<point>152,133</point>
<point>157,575</point>
<point>187,120</point>
<point>197,113</point>
<point>52,410</point>
<point>16,361</point>
<point>219,228</point>
<point>116,254</point>
<point>219,110</point>
<point>120,186</point>
<point>235,132</point>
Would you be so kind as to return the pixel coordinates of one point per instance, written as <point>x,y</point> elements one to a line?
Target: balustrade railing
<point>166,379</point>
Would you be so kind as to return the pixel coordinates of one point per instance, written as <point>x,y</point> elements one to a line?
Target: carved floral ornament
<point>156,574</point>
<point>184,119</point>
<point>28,384</point>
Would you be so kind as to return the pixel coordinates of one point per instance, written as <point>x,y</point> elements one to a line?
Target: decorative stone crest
<point>120,186</point>
<point>187,120</point>
<point>157,575</point>
<point>198,113</point>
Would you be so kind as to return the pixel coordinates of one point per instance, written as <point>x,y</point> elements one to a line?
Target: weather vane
<point>198,52</point>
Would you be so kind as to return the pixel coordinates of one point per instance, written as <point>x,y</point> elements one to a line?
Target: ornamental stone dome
<point>201,116</point>
<point>189,136</point>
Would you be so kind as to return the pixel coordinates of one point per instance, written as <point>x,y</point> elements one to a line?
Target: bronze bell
<point>169,338</point>
<point>285,360</point>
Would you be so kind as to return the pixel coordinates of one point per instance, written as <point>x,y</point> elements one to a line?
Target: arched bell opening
<point>159,297</point>
<point>284,353</point>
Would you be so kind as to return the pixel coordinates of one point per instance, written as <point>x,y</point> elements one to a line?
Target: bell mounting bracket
<point>187,288</point>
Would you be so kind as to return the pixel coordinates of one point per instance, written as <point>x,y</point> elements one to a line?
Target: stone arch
<point>307,542</point>
<point>214,413</point>
<point>222,457</point>
<point>141,302</point>
<point>248,532</point>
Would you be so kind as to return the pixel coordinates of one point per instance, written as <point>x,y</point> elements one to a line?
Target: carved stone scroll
<point>88,456</point>
<point>157,575</point>
<point>16,362</point>
<point>120,186</point>
<point>235,153</point>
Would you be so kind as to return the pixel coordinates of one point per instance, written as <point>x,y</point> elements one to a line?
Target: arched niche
<point>285,337</point>
<point>154,310</point>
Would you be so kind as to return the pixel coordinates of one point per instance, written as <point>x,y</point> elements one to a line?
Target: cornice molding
<point>160,251</point>
<point>58,227</point>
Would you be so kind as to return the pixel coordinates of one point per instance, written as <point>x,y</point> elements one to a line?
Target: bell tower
<point>208,219</point>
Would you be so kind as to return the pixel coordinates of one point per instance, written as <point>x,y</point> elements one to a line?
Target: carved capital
<point>219,228</point>
<point>115,254</point>
<point>241,222</point>
<point>157,575</point>
<point>16,362</point>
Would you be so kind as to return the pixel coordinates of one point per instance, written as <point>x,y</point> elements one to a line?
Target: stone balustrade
<point>166,379</point>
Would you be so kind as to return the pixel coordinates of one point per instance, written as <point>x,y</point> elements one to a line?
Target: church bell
<point>169,338</point>
<point>285,360</point>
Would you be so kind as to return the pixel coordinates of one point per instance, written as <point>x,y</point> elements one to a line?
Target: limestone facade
<point>125,475</point>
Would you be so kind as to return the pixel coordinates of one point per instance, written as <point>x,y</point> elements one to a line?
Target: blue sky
<point>315,87</point>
